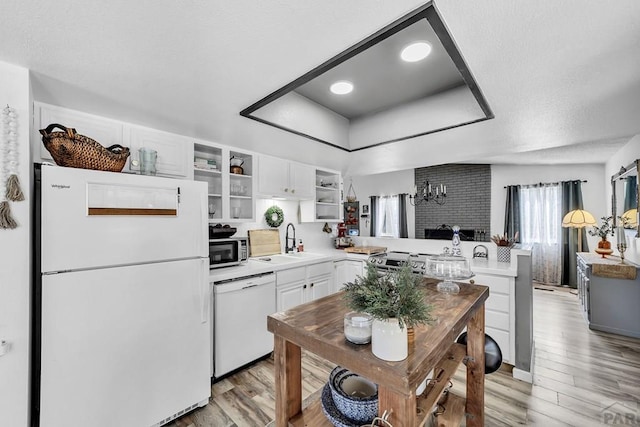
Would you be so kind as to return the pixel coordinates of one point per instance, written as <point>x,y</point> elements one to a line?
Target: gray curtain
<point>630,194</point>
<point>402,207</point>
<point>373,209</point>
<point>571,199</point>
<point>512,212</point>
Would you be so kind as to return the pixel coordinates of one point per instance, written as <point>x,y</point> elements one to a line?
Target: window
<point>541,216</point>
<point>540,226</point>
<point>388,216</point>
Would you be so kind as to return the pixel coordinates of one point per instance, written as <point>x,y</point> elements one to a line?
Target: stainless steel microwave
<point>227,252</point>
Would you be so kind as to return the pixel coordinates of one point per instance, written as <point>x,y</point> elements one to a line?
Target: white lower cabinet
<point>500,319</point>
<point>345,271</point>
<point>298,285</point>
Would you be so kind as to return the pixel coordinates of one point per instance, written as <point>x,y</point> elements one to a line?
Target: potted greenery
<point>603,231</point>
<point>395,302</point>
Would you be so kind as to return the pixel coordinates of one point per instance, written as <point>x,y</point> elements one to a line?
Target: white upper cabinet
<point>282,178</point>
<point>273,176</point>
<point>105,131</point>
<point>302,180</point>
<point>175,152</point>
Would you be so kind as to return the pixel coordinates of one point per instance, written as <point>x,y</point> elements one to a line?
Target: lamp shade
<point>630,217</point>
<point>578,219</point>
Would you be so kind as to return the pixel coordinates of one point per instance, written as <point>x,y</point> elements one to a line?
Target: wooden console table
<point>318,327</point>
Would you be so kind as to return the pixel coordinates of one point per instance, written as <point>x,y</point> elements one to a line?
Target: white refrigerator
<point>121,299</point>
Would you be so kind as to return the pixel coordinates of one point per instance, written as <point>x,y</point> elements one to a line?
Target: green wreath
<point>274,216</point>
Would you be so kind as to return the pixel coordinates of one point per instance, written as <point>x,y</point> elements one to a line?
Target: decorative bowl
<point>354,396</point>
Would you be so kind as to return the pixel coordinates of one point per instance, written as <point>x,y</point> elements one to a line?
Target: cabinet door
<point>355,268</point>
<point>339,275</point>
<point>273,176</point>
<point>290,296</point>
<point>106,132</point>
<point>318,287</point>
<point>302,179</point>
<point>175,153</point>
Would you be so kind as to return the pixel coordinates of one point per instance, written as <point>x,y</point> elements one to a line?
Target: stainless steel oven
<point>227,252</point>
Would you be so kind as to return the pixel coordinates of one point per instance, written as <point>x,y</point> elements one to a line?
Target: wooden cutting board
<point>264,242</point>
<point>368,250</point>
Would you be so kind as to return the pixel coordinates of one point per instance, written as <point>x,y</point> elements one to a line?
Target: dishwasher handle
<point>243,283</point>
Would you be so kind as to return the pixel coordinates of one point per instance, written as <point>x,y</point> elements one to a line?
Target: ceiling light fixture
<point>415,52</point>
<point>341,87</point>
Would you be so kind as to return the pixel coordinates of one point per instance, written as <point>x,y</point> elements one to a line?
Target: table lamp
<point>578,218</point>
<point>630,218</point>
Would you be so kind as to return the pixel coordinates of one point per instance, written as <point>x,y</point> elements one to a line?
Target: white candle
<point>621,238</point>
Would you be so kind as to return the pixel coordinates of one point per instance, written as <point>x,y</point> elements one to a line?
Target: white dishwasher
<point>240,310</point>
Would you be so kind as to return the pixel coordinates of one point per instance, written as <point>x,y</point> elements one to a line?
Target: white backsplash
<point>311,233</point>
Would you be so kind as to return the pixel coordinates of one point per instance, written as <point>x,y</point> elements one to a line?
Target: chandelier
<point>428,193</point>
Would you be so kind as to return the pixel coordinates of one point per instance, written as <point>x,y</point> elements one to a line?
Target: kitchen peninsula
<point>318,327</point>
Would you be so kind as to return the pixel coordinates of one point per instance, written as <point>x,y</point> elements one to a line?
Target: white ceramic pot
<point>388,341</point>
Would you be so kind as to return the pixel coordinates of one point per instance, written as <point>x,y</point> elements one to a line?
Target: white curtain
<point>540,219</point>
<point>387,218</point>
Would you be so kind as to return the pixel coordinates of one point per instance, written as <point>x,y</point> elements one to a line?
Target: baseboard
<point>521,375</point>
<point>526,376</point>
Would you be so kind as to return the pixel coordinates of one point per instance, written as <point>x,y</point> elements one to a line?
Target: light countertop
<point>253,266</point>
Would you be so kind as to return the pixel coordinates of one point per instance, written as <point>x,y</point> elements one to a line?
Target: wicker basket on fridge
<point>71,149</point>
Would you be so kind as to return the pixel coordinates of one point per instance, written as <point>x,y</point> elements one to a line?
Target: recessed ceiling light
<point>341,87</point>
<point>415,52</point>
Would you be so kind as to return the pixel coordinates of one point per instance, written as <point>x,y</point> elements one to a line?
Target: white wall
<point>593,191</point>
<point>15,283</point>
<point>626,155</point>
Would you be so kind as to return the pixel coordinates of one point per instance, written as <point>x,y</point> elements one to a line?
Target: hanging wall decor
<point>274,216</point>
<point>9,183</point>
<point>351,194</point>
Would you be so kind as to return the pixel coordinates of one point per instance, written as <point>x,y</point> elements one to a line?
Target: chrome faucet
<point>288,249</point>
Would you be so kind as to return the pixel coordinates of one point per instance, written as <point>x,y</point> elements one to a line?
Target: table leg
<point>475,369</point>
<point>288,380</point>
<point>404,407</point>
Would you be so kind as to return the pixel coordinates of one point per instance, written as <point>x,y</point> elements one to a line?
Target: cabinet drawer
<point>291,275</point>
<point>497,319</point>
<point>498,302</point>
<point>495,283</point>
<point>319,269</point>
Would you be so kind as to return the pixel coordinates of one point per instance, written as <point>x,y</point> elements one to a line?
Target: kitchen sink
<point>275,259</point>
<point>302,255</point>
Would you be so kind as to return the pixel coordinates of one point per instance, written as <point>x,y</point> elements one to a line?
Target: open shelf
<point>312,414</point>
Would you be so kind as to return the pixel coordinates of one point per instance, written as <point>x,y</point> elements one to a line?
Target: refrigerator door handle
<point>205,296</point>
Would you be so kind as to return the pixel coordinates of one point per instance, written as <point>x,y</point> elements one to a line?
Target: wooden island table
<point>317,327</point>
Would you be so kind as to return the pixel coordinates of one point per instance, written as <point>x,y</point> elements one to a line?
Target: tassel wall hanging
<point>9,183</point>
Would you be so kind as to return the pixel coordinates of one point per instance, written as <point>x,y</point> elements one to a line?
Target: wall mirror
<point>624,187</point>
<point>391,99</point>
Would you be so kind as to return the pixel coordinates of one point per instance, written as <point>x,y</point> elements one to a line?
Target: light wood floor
<point>581,378</point>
